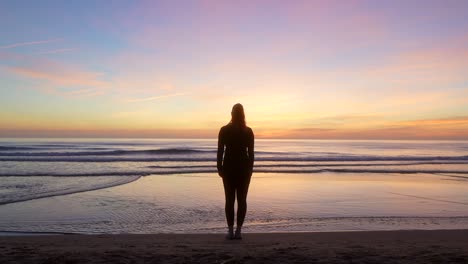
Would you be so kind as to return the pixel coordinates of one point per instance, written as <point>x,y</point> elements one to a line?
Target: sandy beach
<point>437,246</point>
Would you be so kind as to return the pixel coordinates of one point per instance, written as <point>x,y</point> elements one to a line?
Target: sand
<point>439,246</point>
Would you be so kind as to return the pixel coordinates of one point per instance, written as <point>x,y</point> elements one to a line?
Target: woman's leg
<point>230,195</point>
<point>242,189</point>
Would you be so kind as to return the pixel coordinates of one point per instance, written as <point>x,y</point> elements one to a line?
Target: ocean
<point>171,186</point>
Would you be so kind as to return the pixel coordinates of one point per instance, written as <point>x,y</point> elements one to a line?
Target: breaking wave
<point>18,190</point>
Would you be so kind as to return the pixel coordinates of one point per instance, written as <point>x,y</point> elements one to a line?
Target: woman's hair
<point>238,115</point>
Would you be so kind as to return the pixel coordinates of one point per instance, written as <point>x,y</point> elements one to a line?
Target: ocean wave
<point>304,165</point>
<point>15,148</point>
<point>47,145</point>
<point>170,151</point>
<point>171,171</point>
<point>41,188</point>
<point>83,174</point>
<point>72,157</point>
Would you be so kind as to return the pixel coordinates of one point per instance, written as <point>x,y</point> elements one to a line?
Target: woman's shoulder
<point>231,127</point>
<point>225,127</point>
<point>249,130</point>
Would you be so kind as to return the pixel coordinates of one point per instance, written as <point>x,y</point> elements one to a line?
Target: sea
<point>113,186</point>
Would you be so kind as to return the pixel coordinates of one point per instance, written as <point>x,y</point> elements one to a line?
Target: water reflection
<point>277,202</point>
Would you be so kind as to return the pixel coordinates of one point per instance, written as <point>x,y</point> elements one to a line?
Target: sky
<point>302,69</point>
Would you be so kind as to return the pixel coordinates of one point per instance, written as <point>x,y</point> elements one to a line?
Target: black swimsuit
<point>237,164</point>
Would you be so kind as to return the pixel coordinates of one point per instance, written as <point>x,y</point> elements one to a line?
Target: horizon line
<point>258,138</point>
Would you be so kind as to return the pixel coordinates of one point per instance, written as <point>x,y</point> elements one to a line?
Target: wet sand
<point>437,246</point>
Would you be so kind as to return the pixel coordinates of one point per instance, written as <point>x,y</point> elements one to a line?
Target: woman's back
<point>237,140</point>
<point>238,153</point>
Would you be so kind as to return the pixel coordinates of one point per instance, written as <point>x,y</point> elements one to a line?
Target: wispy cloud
<point>14,45</point>
<point>64,77</point>
<point>108,133</point>
<point>430,129</point>
<point>55,51</point>
<point>154,97</point>
<point>61,79</point>
<point>455,122</point>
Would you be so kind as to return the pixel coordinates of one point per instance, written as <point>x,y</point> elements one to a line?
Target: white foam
<point>19,189</point>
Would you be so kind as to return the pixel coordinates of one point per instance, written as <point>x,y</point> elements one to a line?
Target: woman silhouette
<point>236,143</point>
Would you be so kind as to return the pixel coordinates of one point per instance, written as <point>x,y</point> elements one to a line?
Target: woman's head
<point>238,115</point>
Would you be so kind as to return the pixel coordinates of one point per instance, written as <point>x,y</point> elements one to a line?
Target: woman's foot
<point>238,234</point>
<point>230,234</point>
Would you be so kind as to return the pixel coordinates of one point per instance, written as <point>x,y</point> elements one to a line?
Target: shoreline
<point>404,246</point>
<point>8,233</point>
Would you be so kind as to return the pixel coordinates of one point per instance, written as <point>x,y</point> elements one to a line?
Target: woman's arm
<point>219,158</point>
<point>251,150</point>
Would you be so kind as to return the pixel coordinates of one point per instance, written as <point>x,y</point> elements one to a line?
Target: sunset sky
<point>302,69</point>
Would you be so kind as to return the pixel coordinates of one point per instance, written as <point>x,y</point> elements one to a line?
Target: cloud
<point>450,128</point>
<point>56,78</point>
<point>155,97</point>
<point>434,65</point>
<point>62,77</point>
<point>110,133</point>
<point>55,51</point>
<point>14,45</point>
<point>69,80</point>
<point>456,122</point>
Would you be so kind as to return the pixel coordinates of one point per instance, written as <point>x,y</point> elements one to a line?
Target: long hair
<point>238,116</point>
